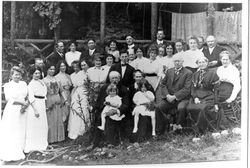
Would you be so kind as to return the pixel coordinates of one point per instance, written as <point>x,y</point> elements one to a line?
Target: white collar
<point>159,41</point>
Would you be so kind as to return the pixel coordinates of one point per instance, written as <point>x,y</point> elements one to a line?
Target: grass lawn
<point>168,148</point>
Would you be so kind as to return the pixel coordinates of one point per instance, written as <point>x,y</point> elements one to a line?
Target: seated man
<point>175,88</point>
<point>114,130</point>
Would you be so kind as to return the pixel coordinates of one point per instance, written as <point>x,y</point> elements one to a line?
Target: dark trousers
<point>164,108</point>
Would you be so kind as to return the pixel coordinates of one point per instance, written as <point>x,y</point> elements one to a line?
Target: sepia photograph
<point>124,83</point>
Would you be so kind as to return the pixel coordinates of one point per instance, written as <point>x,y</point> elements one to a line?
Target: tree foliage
<point>51,11</point>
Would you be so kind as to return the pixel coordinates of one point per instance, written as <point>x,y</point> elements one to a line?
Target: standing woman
<point>37,125</point>
<point>79,121</point>
<point>168,59</point>
<point>66,85</point>
<point>109,62</point>
<point>72,55</point>
<point>53,104</point>
<point>13,122</point>
<point>190,56</point>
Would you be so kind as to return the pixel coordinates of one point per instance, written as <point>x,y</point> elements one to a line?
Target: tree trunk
<point>103,17</point>
<point>13,22</point>
<point>153,20</point>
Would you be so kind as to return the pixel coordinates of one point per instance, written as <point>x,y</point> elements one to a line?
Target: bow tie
<point>124,65</point>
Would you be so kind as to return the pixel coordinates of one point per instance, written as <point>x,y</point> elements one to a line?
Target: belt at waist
<point>39,97</point>
<point>150,74</point>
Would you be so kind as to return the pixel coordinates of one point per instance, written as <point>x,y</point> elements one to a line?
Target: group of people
<point>164,81</point>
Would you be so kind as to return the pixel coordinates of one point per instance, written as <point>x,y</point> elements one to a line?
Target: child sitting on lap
<point>112,101</point>
<point>144,100</point>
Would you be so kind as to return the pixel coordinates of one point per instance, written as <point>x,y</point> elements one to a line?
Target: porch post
<point>153,20</point>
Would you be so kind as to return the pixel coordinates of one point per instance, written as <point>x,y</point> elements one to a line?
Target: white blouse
<point>152,66</point>
<point>72,56</point>
<point>232,75</point>
<point>140,62</point>
<point>97,74</point>
<point>190,57</point>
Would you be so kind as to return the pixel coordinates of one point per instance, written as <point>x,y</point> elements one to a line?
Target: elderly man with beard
<point>114,130</point>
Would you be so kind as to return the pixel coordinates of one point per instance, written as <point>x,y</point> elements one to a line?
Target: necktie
<point>177,71</point>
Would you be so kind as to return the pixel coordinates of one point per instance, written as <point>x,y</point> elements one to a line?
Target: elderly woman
<point>190,56</point>
<point>13,122</point>
<point>37,124</point>
<point>203,103</point>
<point>229,81</point>
<point>114,130</point>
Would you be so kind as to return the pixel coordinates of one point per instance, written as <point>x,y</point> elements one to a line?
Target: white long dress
<point>79,119</point>
<point>36,128</point>
<point>13,123</point>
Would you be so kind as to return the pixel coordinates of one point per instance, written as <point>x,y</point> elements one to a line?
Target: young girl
<point>112,101</point>
<point>143,98</point>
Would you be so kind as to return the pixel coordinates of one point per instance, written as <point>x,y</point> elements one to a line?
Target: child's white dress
<point>140,98</point>
<point>114,101</point>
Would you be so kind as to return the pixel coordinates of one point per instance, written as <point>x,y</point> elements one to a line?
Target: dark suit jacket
<point>55,58</point>
<point>207,89</point>
<point>90,58</point>
<point>180,87</point>
<point>122,92</point>
<point>126,46</point>
<point>214,56</point>
<point>154,44</point>
<point>128,78</point>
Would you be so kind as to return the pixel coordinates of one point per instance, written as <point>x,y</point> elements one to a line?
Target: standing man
<point>159,40</point>
<point>130,42</point>
<point>175,89</point>
<point>124,69</point>
<point>58,53</point>
<point>212,52</point>
<point>88,55</point>
<point>201,43</point>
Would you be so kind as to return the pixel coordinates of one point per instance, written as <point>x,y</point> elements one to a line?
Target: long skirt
<point>37,128</point>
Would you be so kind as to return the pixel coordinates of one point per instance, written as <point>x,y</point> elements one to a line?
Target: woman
<point>161,53</point>
<point>179,46</point>
<point>140,60</point>
<point>37,125</point>
<point>167,61</point>
<point>152,69</point>
<point>229,86</point>
<point>66,85</point>
<point>190,56</point>
<point>13,122</point>
<point>112,49</point>
<point>72,55</point>
<point>79,121</point>
<point>109,62</point>
<point>203,105</point>
<point>53,106</point>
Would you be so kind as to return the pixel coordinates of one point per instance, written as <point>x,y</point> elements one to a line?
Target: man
<point>179,46</point>
<point>58,53</point>
<point>175,89</point>
<point>201,43</point>
<point>130,42</point>
<point>114,130</point>
<point>88,55</point>
<point>39,63</point>
<point>212,52</point>
<point>159,39</point>
<point>124,69</point>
